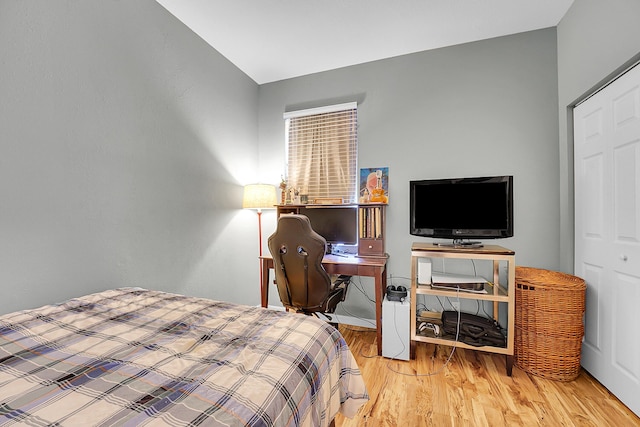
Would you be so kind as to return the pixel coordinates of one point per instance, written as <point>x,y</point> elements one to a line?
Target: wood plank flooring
<point>472,390</point>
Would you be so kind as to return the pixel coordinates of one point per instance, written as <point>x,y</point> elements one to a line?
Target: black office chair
<point>303,283</point>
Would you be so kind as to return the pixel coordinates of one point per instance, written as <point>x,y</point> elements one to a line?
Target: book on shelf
<point>370,222</point>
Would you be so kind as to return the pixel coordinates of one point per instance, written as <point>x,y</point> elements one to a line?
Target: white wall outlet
<point>455,305</point>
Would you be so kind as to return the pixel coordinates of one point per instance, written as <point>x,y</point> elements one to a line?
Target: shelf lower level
<point>452,343</point>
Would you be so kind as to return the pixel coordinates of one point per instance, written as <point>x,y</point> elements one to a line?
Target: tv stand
<point>497,293</point>
<point>459,243</point>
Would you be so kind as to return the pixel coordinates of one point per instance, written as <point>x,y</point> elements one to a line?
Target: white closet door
<point>607,233</point>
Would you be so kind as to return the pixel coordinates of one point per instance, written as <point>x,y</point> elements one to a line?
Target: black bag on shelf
<point>474,330</point>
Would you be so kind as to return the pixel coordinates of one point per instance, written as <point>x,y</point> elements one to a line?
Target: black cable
<point>360,287</point>
<point>357,317</point>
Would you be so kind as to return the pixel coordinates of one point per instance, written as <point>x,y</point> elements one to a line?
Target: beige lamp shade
<point>259,196</point>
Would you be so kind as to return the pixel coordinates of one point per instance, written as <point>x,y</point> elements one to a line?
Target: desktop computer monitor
<point>338,225</point>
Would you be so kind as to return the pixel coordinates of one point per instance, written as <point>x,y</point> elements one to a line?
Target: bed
<point>137,357</point>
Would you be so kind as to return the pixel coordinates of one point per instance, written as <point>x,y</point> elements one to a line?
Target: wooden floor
<point>472,390</point>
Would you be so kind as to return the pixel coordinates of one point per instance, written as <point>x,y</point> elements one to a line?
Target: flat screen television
<point>338,225</point>
<point>462,208</point>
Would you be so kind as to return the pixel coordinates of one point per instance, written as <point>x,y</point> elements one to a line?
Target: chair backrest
<point>297,252</point>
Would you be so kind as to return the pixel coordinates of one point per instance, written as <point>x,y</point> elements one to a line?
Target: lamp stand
<point>259,196</point>
<point>260,241</point>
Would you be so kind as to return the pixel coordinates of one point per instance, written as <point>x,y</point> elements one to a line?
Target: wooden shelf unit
<point>371,230</point>
<point>371,224</point>
<point>496,292</point>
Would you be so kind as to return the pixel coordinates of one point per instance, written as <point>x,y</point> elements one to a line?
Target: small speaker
<point>424,271</point>
<point>396,293</point>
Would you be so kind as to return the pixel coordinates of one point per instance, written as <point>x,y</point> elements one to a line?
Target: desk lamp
<point>259,196</point>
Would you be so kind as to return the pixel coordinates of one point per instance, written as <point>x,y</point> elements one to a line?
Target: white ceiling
<point>273,40</point>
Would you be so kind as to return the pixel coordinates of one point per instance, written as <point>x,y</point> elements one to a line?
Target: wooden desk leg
<point>509,365</point>
<point>381,286</point>
<point>264,286</point>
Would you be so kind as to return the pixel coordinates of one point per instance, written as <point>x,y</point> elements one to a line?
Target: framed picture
<point>374,185</point>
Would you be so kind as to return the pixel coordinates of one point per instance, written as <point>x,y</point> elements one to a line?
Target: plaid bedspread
<point>138,357</point>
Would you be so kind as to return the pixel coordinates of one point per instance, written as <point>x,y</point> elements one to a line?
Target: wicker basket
<point>549,323</point>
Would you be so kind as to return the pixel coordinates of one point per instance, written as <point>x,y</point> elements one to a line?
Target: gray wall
<point>125,141</point>
<point>124,144</point>
<point>595,38</point>
<point>483,108</point>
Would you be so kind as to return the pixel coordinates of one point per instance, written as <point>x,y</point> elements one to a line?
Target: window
<point>322,152</point>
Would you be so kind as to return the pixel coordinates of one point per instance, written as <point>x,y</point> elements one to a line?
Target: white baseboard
<point>353,321</point>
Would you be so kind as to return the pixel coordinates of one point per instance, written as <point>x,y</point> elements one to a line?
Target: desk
<point>375,267</point>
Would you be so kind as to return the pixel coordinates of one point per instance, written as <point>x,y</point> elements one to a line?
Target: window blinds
<point>322,152</point>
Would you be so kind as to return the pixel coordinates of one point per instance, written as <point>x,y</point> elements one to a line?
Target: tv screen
<point>462,208</point>
<point>338,225</point>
